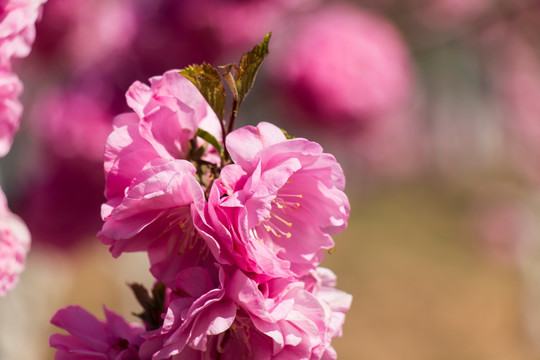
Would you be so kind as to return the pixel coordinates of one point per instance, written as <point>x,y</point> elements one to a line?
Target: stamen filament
<point>270,229</point>
<point>282,220</point>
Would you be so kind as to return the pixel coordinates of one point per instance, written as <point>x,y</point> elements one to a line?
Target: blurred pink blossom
<point>516,74</point>
<point>14,245</point>
<point>90,338</point>
<point>90,32</point>
<point>241,23</point>
<point>342,66</point>
<point>274,210</point>
<point>10,109</point>
<point>52,185</point>
<point>71,123</point>
<point>391,148</point>
<point>17,28</point>
<point>500,229</point>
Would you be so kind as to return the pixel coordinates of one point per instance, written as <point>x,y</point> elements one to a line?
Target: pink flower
<point>322,284</point>
<point>230,316</point>
<point>274,210</point>
<point>155,216</point>
<point>14,245</point>
<point>10,109</point>
<point>167,116</point>
<point>170,112</point>
<point>17,28</point>
<point>197,310</point>
<point>149,190</point>
<point>89,338</point>
<point>278,319</point>
<point>53,122</point>
<point>361,69</point>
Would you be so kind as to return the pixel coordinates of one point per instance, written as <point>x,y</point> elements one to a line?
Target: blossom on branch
<point>155,216</point>
<point>224,314</point>
<point>235,224</point>
<point>166,117</point>
<point>275,208</point>
<point>150,188</point>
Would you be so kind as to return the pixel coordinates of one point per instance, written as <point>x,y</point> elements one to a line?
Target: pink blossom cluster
<point>88,53</point>
<point>17,33</point>
<point>236,239</point>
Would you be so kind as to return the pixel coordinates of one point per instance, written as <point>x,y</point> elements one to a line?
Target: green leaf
<point>287,135</point>
<point>208,80</point>
<point>205,135</point>
<point>242,76</point>
<point>153,306</point>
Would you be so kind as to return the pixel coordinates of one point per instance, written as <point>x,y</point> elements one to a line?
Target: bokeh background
<point>431,106</point>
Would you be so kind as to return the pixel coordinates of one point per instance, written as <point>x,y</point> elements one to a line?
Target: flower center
<point>239,333</point>
<point>181,224</point>
<point>276,224</point>
<point>120,344</point>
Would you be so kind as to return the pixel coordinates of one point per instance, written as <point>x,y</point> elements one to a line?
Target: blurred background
<point>431,106</point>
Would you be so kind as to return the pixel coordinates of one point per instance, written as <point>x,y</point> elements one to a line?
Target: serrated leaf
<point>230,78</point>
<point>205,135</point>
<point>208,80</point>
<point>242,76</point>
